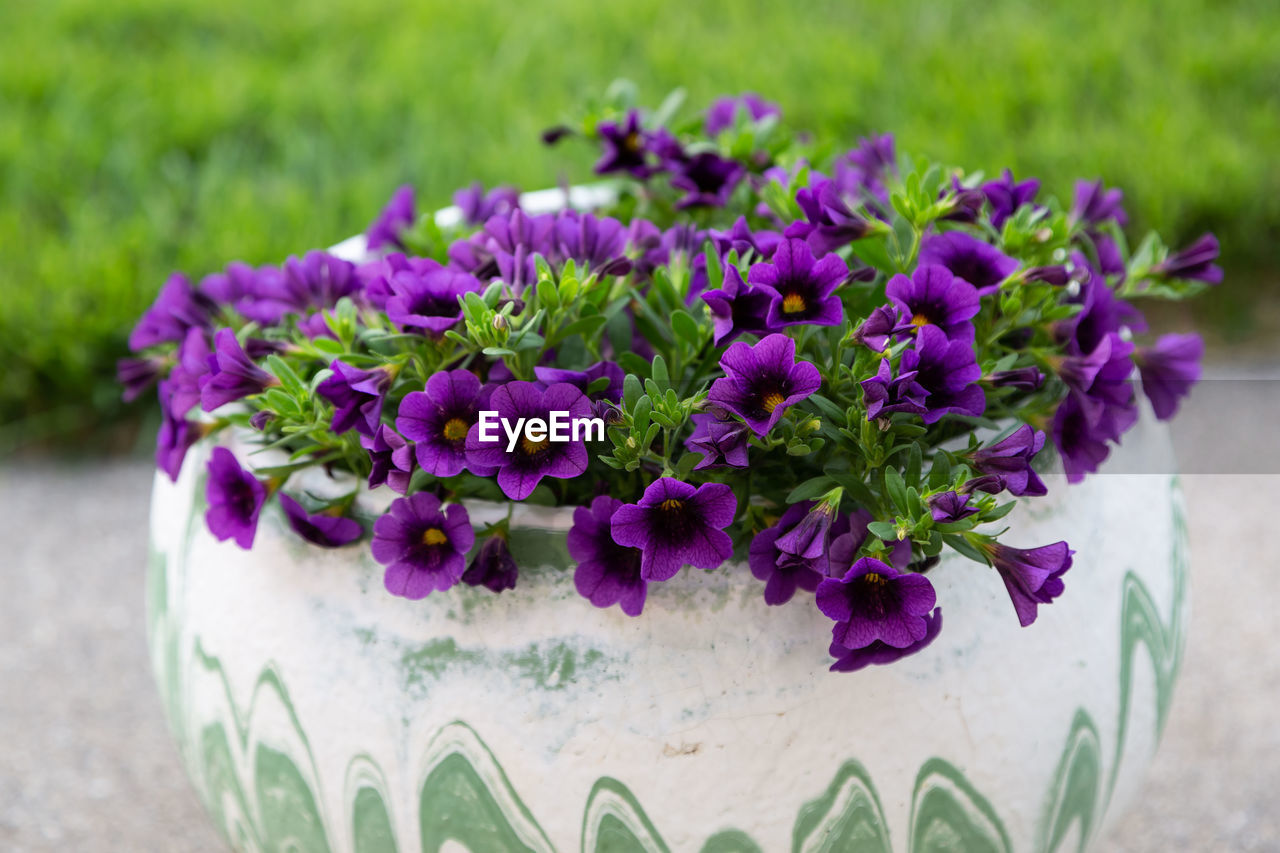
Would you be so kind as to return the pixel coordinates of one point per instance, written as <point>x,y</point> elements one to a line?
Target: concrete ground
<point>86,763</point>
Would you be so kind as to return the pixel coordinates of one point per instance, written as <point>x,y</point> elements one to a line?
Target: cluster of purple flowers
<point>778,371</point>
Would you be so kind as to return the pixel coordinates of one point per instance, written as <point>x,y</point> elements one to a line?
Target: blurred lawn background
<point>138,136</point>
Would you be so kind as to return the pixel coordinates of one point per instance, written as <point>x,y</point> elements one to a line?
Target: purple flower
<point>582,379</point>
<point>802,288</point>
<point>762,381</point>
<point>477,206</point>
<point>607,573</point>
<point>177,308</point>
<point>176,434</point>
<point>1032,577</point>
<point>1007,195</point>
<point>723,111</point>
<point>737,308</point>
<point>879,653</point>
<point>493,567</point>
<point>397,216</point>
<point>514,239</point>
<point>304,286</point>
<point>390,459</point>
<point>1168,371</point>
<point>428,300</point>
<point>885,394</point>
<point>675,525</point>
<point>521,468</point>
<point>721,442</point>
<point>1099,379</point>
<point>784,572</point>
<point>1094,205</point>
<point>1021,378</point>
<point>139,374</point>
<point>327,531</point>
<point>423,548</point>
<point>874,601</point>
<point>599,243</point>
<point>829,221</point>
<point>438,419</point>
<point>981,264</point>
<point>849,533</point>
<point>187,375</point>
<point>864,169</point>
<point>742,239</point>
<point>946,370</point>
<point>356,396</point>
<point>235,499</point>
<point>807,540</point>
<point>1010,460</point>
<point>1081,434</point>
<point>885,322</point>
<point>232,375</point>
<point>707,180</point>
<point>933,296</point>
<point>1195,263</point>
<point>948,507</point>
<point>625,147</point>
<point>1103,313</point>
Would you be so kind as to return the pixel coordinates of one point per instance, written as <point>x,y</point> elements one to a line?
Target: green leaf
<point>685,327</point>
<point>886,530</point>
<point>812,488</point>
<point>634,365</point>
<point>896,489</point>
<point>632,390</point>
<point>999,512</point>
<point>912,472</point>
<point>584,326</point>
<point>963,546</point>
<point>828,409</point>
<point>278,368</point>
<point>659,373</point>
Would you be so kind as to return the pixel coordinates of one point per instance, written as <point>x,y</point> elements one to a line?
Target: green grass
<point>138,137</point>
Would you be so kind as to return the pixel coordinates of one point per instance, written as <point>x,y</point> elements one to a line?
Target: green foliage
<point>140,136</point>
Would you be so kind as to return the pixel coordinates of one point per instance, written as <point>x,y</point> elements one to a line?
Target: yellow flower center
<point>793,303</point>
<point>874,578</point>
<point>434,536</point>
<point>772,401</point>
<point>532,447</point>
<point>671,504</point>
<point>631,142</point>
<point>455,429</point>
<point>919,320</point>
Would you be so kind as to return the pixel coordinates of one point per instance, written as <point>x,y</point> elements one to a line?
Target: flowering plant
<point>834,364</point>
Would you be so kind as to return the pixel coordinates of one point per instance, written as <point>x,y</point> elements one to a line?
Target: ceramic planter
<point>316,712</point>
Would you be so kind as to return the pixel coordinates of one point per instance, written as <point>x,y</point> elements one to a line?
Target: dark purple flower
<point>139,374</point>
<point>176,434</point>
<point>1168,371</point>
<point>762,381</point>
<point>232,375</point>
<point>514,239</point>
<point>783,572</point>
<point>356,396</point>
<point>1195,263</point>
<point>235,499</point>
<point>177,308</point>
<point>237,281</point>
<point>523,466</point>
<point>933,296</point>
<point>675,525</point>
<point>981,264</point>
<point>607,573</point>
<point>875,601</point>
<point>849,533</point>
<point>946,369</point>
<point>438,419</point>
<point>1032,576</point>
<point>742,239</point>
<point>865,168</point>
<point>1110,261</point>
<point>707,180</point>
<point>304,286</point>
<point>582,379</point>
<point>723,111</point>
<point>397,216</point>
<point>721,442</point>
<point>1094,205</point>
<point>390,459</point>
<point>1021,378</point>
<point>626,147</point>
<point>801,287</point>
<point>1010,459</point>
<point>428,300</point>
<point>423,548</point>
<point>477,206</point>
<point>1100,378</point>
<point>1081,434</point>
<point>598,243</point>
<point>947,507</point>
<point>327,531</point>
<point>807,539</point>
<point>879,653</point>
<point>493,567</point>
<point>1103,313</point>
<point>885,322</point>
<point>191,365</point>
<point>737,308</point>
<point>1056,274</point>
<point>1007,195</point>
<point>964,203</point>
<point>885,394</point>
<point>830,222</point>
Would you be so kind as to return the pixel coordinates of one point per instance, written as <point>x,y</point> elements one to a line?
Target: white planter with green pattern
<point>316,712</point>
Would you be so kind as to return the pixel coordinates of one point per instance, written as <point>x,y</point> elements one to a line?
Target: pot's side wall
<point>314,709</point>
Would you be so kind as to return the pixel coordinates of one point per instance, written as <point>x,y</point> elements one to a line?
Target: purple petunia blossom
<point>1194,263</point>
<point>933,296</point>
<point>879,653</point>
<point>493,567</point>
<point>599,243</point>
<point>802,288</point>
<point>397,216</point>
<point>707,180</point>
<point>873,601</point>
<point>1006,195</point>
<point>762,381</point>
<point>979,263</point>
<point>1168,371</point>
<point>1103,313</point>
<point>390,459</point>
<point>945,370</point>
<point>783,572</point>
<point>232,375</point>
<point>427,300</point>
<point>237,281</point>
<point>1081,434</point>
<point>864,169</point>
<point>356,396</point>
<point>1094,204</point>
<point>1010,460</point>
<point>327,531</point>
<point>176,434</point>
<point>884,394</point>
<point>947,507</point>
<point>885,322</point>
<point>191,366</point>
<point>235,499</point>
<point>304,286</point>
<point>514,239</point>
<point>478,206</point>
<point>582,379</point>
<point>1101,378</point>
<point>737,308</point>
<point>625,147</point>
<point>849,533</point>
<point>438,419</point>
<point>829,222</point>
<point>807,539</point>
<point>1022,378</point>
<point>675,525</point>
<point>723,111</point>
<point>139,374</point>
<point>177,308</point>
<point>1032,576</point>
<point>742,239</point>
<point>521,468</point>
<point>607,573</point>
<point>423,548</point>
<point>721,442</point>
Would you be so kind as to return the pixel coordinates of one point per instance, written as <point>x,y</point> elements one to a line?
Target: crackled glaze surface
<point>315,712</point>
